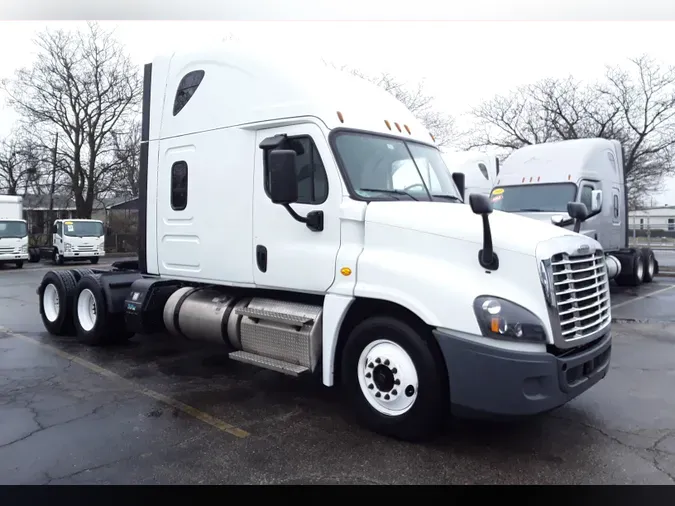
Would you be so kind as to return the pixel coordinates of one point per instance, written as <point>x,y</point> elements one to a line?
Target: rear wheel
<point>649,265</point>
<point>632,268</point>
<point>56,299</point>
<point>394,379</point>
<point>94,325</point>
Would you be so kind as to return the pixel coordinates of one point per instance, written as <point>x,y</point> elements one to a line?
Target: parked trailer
<point>269,224</point>
<point>13,231</point>
<point>539,181</point>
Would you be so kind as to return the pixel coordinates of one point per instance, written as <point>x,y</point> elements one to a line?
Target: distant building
<point>660,218</point>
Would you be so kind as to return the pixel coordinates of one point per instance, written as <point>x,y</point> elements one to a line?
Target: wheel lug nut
<point>370,386</point>
<point>397,382</point>
<point>386,362</point>
<point>378,394</point>
<point>378,360</point>
<point>394,370</point>
<point>371,365</point>
<point>394,392</point>
<point>386,397</point>
<point>368,375</point>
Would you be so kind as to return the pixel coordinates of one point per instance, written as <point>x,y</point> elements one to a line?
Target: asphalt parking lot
<point>163,411</point>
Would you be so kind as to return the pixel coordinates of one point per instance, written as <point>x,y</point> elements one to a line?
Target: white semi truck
<point>75,239</point>
<point>270,224</point>
<point>13,231</point>
<point>539,181</point>
<point>480,170</point>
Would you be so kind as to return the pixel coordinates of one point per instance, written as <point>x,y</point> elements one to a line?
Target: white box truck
<point>270,224</point>
<point>75,239</point>
<point>13,231</point>
<point>539,181</point>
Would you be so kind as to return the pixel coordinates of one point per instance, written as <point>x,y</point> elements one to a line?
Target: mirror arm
<point>314,219</point>
<point>487,257</point>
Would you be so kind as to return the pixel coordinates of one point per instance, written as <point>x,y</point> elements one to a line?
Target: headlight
<point>101,247</point>
<point>69,247</point>
<point>24,248</point>
<point>501,319</point>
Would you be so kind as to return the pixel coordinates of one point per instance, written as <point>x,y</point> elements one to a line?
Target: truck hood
<point>457,221</point>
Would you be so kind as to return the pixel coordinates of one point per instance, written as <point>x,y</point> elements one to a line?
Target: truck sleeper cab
<point>308,224</point>
<point>76,239</point>
<point>539,181</point>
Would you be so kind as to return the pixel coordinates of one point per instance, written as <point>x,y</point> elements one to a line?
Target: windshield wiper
<point>396,192</point>
<point>449,197</point>
<point>531,210</point>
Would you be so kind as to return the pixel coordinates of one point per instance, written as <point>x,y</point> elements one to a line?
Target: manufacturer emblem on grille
<point>583,248</point>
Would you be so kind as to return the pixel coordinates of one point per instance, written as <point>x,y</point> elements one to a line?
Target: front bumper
<point>83,254</point>
<point>491,382</point>
<point>13,257</point>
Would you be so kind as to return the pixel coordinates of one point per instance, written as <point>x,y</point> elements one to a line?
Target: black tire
<point>64,282</point>
<point>94,260</point>
<point>33,255</point>
<point>57,259</point>
<point>19,264</point>
<point>108,328</point>
<point>632,269</point>
<point>80,273</point>
<point>424,420</point>
<point>649,264</point>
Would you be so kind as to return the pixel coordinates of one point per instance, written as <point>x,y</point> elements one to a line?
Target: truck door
<point>593,226</point>
<point>287,254</point>
<point>57,238</point>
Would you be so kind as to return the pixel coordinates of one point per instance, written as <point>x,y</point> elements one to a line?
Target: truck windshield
<point>533,198</point>
<point>13,229</point>
<point>385,168</point>
<point>83,228</point>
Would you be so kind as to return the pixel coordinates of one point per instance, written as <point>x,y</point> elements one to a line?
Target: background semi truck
<point>539,181</point>
<point>480,170</point>
<point>271,224</point>
<point>13,231</point>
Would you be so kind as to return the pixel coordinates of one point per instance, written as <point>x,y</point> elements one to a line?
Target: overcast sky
<point>462,62</point>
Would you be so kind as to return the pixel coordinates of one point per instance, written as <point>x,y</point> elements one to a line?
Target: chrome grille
<point>6,250</point>
<point>84,248</point>
<point>581,289</point>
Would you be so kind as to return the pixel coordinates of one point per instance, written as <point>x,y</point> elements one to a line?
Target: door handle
<point>261,257</point>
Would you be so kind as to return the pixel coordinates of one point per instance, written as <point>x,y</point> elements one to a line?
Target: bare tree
<point>417,100</point>
<point>127,152</point>
<point>82,85</point>
<point>636,107</point>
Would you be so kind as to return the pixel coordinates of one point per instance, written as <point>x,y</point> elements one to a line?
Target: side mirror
<point>281,176</point>
<point>480,204</point>
<point>459,179</point>
<point>578,212</point>
<point>487,258</point>
<point>596,201</point>
<point>53,229</point>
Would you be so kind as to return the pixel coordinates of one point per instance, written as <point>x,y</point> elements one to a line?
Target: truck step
<point>273,316</point>
<point>268,363</point>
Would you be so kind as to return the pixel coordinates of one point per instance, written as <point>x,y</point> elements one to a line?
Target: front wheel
<point>19,264</point>
<point>394,379</point>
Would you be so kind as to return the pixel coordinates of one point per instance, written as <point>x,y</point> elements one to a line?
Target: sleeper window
<point>179,186</point>
<point>186,89</point>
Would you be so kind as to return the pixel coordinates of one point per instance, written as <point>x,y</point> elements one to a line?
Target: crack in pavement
<point>650,458</point>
